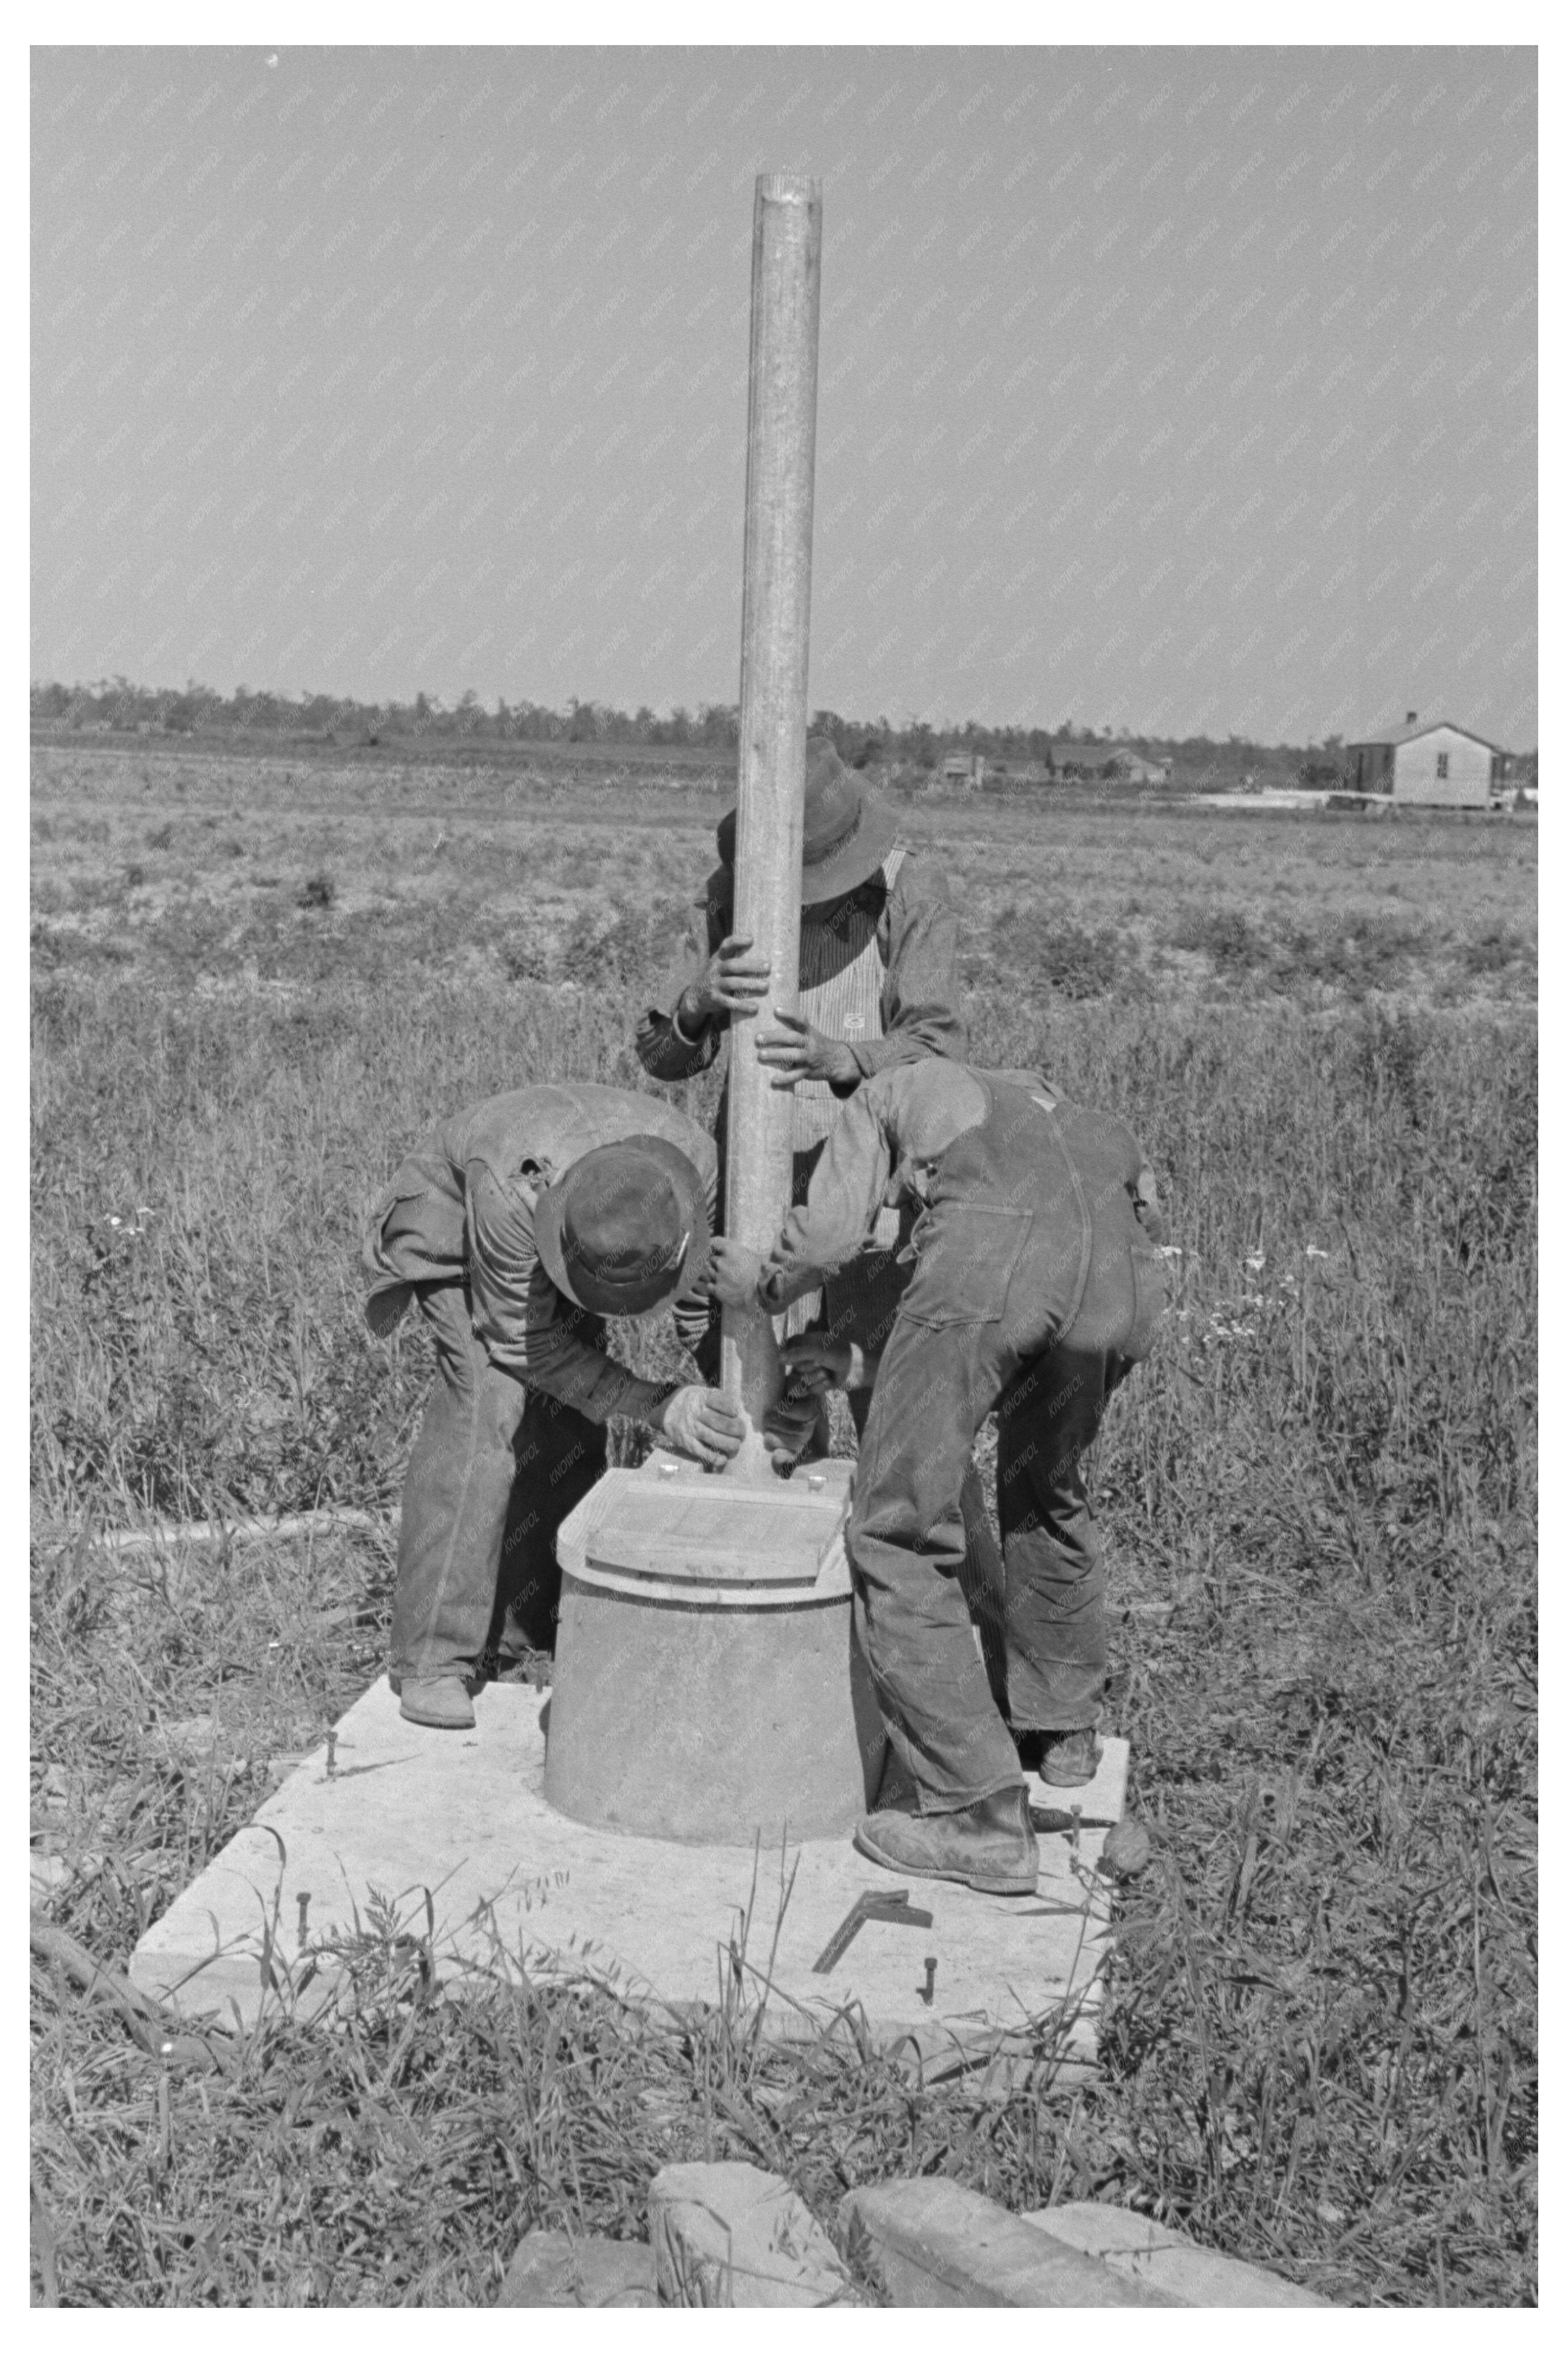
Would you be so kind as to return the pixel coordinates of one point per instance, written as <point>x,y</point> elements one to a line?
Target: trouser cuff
<point>463,1671</point>
<point>947,1801</point>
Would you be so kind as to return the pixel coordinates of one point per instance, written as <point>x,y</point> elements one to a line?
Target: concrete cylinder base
<point>678,1720</point>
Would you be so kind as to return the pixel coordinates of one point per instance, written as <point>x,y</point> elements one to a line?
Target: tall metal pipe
<point>776,623</point>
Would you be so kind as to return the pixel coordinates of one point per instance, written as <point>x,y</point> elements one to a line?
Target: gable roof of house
<point>1409,736</point>
<point>1103,751</point>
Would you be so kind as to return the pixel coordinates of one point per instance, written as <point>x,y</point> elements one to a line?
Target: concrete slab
<point>732,2234</point>
<point>550,2269</point>
<point>453,1830</point>
<point>932,2243</point>
<point>1143,2250</point>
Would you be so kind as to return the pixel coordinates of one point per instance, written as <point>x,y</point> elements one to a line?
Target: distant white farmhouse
<point>1113,760</point>
<point>1138,769</point>
<point>1438,766</point>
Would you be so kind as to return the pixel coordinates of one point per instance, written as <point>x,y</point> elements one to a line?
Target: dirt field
<point>489,874</point>
<point>258,981</point>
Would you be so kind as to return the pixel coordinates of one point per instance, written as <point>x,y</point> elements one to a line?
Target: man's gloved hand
<point>697,1422</point>
<point>733,982</point>
<point>815,1361</point>
<point>799,1051</point>
<point>789,1426</point>
<point>732,1271</point>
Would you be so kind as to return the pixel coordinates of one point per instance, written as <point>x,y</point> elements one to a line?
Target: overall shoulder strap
<point>889,870</point>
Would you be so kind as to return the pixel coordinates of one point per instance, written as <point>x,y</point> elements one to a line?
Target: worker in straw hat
<point>519,1227</point>
<point>879,987</point>
<point>1038,1283</point>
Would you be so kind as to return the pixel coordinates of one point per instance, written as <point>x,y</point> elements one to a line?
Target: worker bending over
<point>519,1226</point>
<point>1038,1283</point>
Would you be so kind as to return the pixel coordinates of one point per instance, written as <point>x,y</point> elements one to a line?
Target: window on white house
<point>1442,764</point>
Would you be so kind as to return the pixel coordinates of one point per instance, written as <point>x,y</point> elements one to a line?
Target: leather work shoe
<point>989,1846</point>
<point>1068,1760</point>
<point>443,1703</point>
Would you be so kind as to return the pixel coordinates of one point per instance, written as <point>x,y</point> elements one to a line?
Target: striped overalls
<point>841,976</point>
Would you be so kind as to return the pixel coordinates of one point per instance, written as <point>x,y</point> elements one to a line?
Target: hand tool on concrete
<point>892,1903</point>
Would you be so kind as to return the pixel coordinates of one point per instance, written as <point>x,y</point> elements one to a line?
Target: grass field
<point>255,983</point>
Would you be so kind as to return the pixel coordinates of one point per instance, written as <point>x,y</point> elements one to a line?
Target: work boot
<point>442,1703</point>
<point>1068,1760</point>
<point>988,1846</point>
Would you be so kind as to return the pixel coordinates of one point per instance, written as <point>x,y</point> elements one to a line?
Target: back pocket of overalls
<point>966,1256</point>
<point>1151,1297</point>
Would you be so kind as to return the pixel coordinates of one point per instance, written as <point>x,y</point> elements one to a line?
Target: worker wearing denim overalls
<point>878,988</point>
<point>519,1227</point>
<point>1037,1284</point>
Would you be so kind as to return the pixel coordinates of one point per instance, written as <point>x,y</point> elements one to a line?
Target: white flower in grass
<point>1256,1262</point>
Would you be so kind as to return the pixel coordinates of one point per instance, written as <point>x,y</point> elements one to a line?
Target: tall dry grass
<point>1321,2045</point>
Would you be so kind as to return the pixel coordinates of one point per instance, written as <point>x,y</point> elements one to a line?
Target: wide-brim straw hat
<point>624,1228</point>
<point>846,833</point>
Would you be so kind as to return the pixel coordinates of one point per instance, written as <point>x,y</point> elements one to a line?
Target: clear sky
<point>1175,390</point>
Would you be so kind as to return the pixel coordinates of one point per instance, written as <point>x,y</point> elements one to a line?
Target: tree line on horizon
<point>118,704</point>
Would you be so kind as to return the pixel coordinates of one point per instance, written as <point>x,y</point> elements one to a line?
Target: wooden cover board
<point>713,1536</point>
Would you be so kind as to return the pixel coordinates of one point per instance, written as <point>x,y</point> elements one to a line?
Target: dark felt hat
<point>624,1228</point>
<point>847,830</point>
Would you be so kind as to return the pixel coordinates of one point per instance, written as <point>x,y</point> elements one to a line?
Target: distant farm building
<point>1436,766</point>
<point>1112,760</point>
<point>963,768</point>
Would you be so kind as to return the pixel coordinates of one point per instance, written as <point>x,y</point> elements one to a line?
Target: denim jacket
<point>460,1208</point>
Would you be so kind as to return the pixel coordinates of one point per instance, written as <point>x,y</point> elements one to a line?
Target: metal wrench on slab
<point>890,1904</point>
